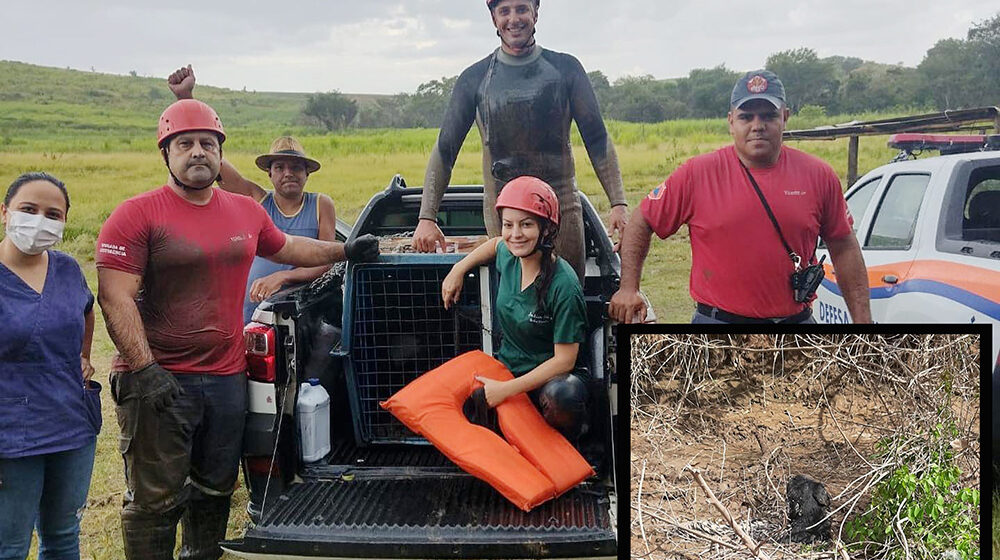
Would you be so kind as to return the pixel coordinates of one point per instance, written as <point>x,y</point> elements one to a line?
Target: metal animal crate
<point>399,329</point>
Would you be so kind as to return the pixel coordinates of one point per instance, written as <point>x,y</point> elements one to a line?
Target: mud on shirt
<point>523,107</point>
<point>738,262</point>
<point>194,262</point>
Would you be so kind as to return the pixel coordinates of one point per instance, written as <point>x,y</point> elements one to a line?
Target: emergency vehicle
<point>930,232</point>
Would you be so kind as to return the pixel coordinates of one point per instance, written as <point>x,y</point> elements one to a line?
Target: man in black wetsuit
<point>522,98</point>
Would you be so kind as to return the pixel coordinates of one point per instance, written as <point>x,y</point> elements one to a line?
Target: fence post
<point>852,161</point>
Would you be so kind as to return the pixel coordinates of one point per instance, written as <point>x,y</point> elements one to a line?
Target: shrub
<point>921,504</point>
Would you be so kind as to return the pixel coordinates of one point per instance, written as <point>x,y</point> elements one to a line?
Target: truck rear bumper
<point>268,556</point>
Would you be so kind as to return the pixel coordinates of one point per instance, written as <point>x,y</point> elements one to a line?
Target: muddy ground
<point>749,419</point>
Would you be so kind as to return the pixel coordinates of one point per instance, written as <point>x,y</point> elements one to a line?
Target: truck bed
<point>409,501</point>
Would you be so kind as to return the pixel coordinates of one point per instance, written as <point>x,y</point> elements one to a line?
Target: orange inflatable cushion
<point>538,463</point>
<point>541,444</point>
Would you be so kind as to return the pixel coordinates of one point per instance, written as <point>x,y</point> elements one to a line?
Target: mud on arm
<point>457,121</point>
<point>116,292</point>
<point>327,232</point>
<point>627,306</point>
<point>304,251</point>
<point>587,114</point>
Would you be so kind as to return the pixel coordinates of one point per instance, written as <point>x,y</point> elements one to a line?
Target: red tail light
<point>260,344</point>
<point>262,465</point>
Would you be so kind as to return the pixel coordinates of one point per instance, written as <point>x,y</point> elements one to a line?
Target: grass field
<point>355,167</point>
<point>96,133</point>
<point>995,529</point>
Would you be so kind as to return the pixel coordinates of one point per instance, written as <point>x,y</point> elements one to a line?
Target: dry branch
<point>638,500</point>
<point>694,532</point>
<point>747,539</point>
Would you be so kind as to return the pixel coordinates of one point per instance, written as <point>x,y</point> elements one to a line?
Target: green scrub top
<point>528,337</point>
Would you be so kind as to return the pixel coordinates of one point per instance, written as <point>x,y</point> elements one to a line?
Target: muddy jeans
<point>182,461</point>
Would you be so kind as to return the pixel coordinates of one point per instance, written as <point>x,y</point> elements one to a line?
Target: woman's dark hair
<point>547,246</point>
<point>34,176</point>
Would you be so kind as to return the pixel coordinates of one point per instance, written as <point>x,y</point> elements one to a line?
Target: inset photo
<point>819,446</point>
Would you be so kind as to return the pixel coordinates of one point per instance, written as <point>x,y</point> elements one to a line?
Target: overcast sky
<point>389,46</point>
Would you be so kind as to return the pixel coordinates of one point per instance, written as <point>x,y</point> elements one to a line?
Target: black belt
<point>722,315</point>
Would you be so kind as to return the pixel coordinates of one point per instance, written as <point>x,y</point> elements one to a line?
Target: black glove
<point>363,248</point>
<point>156,386</point>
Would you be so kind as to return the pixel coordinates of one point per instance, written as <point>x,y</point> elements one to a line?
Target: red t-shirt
<point>737,260</point>
<point>194,262</point>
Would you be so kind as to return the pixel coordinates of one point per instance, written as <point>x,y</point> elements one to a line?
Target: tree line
<point>954,74</point>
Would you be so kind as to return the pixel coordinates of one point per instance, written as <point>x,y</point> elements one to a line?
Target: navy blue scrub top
<point>44,407</point>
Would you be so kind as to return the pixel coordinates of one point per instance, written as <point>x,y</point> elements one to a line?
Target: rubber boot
<point>149,535</point>
<point>203,526</point>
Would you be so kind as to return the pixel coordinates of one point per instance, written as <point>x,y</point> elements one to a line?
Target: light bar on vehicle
<point>945,143</point>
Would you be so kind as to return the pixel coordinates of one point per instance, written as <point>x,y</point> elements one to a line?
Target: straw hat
<point>286,146</point>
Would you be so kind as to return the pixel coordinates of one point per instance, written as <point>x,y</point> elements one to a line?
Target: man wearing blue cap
<point>754,211</point>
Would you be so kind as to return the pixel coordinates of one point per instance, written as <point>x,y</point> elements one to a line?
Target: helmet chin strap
<point>546,240</point>
<point>525,47</point>
<point>185,186</point>
<point>180,183</point>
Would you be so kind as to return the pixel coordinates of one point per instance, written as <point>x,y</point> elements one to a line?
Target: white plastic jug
<point>313,411</point>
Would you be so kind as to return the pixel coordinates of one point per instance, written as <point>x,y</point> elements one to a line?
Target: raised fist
<point>181,82</point>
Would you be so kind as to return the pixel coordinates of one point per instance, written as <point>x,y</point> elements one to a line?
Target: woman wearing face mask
<point>50,411</point>
<point>539,307</point>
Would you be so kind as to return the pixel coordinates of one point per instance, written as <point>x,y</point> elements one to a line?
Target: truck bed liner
<point>429,517</point>
<point>345,452</point>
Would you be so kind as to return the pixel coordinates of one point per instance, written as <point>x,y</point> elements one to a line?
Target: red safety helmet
<point>491,3</point>
<point>186,115</point>
<point>531,195</point>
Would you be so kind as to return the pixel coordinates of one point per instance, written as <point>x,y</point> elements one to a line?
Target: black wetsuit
<point>523,107</point>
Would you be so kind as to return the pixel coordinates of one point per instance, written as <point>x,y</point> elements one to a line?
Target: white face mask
<point>33,233</point>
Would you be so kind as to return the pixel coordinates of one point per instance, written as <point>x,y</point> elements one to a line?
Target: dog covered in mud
<point>808,503</point>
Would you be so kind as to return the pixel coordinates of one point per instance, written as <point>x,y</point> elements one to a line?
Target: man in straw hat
<point>292,209</point>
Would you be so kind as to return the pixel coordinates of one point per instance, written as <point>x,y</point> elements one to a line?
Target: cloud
<point>387,46</point>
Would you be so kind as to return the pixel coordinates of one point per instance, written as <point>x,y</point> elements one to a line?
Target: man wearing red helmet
<point>540,308</point>
<point>171,267</point>
<point>292,209</point>
<point>523,98</point>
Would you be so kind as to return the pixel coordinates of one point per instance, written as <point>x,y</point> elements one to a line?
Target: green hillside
<point>63,110</point>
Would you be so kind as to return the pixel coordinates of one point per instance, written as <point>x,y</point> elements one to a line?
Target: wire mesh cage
<point>400,330</point>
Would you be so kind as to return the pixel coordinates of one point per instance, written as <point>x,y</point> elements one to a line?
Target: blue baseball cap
<point>758,84</point>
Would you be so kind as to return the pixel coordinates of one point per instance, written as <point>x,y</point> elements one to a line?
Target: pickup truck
<point>929,229</point>
<point>367,329</point>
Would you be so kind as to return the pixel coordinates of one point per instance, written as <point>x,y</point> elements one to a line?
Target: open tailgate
<point>414,516</point>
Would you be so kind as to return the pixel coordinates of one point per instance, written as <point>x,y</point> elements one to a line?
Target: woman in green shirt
<point>539,307</point>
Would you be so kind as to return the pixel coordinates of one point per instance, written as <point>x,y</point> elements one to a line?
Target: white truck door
<point>829,306</point>
<point>890,249</point>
